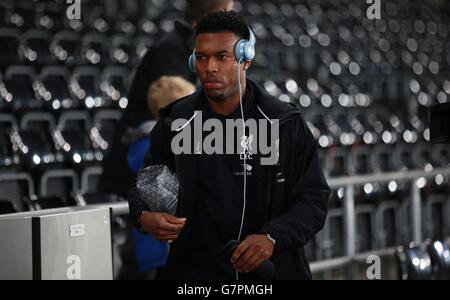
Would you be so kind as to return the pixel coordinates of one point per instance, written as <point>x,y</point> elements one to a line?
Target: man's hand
<point>162,226</point>
<point>252,252</point>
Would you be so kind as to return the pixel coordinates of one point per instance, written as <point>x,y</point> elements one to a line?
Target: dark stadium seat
<point>114,86</point>
<point>435,215</point>
<point>48,16</point>
<point>84,85</point>
<point>6,207</point>
<point>403,157</point>
<point>94,49</point>
<point>36,146</point>
<point>9,52</point>
<point>121,50</point>
<point>383,158</point>
<point>6,151</point>
<point>58,187</point>
<point>330,244</point>
<point>365,227</point>
<point>64,48</point>
<point>102,132</point>
<point>35,48</point>
<point>54,91</point>
<point>338,158</point>
<point>386,224</point>
<point>362,160</point>
<point>7,156</point>
<point>19,93</point>
<point>16,188</point>
<point>72,130</point>
<point>89,193</point>
<point>22,16</point>
<point>96,21</point>
<point>34,141</point>
<point>89,179</point>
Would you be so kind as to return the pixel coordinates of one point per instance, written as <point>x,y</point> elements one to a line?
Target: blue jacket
<point>150,253</point>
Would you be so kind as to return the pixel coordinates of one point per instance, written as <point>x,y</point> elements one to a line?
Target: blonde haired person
<point>166,90</point>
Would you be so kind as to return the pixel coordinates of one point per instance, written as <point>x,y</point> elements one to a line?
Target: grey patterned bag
<point>158,187</point>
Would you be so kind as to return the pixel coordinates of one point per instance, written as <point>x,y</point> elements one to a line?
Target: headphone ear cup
<point>245,50</point>
<point>239,50</point>
<point>192,63</point>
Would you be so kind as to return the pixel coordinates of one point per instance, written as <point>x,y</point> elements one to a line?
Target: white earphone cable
<point>244,137</point>
<point>245,155</point>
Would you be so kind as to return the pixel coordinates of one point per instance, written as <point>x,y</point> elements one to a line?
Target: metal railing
<point>349,184</point>
<point>349,214</point>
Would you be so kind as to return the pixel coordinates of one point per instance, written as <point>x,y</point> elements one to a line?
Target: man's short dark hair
<point>196,9</point>
<point>223,21</point>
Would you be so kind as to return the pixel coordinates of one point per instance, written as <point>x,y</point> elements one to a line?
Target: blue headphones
<point>244,51</point>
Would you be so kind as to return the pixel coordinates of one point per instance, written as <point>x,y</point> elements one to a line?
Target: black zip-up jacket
<point>294,209</point>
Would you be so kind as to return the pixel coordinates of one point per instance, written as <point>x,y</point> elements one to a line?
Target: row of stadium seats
<point>56,188</point>
<point>414,95</point>
<point>146,17</point>
<point>57,88</point>
<point>41,142</point>
<point>41,47</point>
<point>82,132</point>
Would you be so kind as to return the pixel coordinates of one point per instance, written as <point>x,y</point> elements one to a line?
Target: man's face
<point>216,64</point>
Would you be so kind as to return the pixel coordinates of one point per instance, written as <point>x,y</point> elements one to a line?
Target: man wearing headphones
<point>166,57</point>
<point>271,211</point>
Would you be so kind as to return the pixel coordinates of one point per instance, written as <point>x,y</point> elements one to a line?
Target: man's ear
<point>247,65</point>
